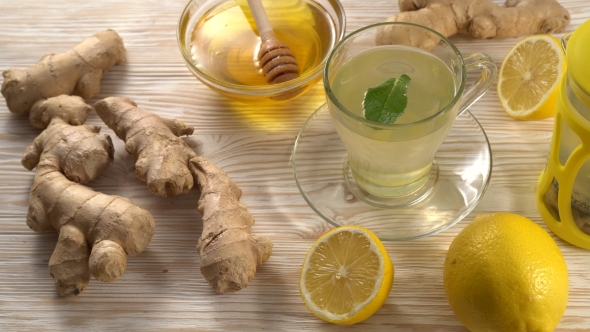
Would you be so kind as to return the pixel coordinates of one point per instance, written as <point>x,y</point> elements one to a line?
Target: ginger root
<point>476,18</point>
<point>162,157</point>
<point>96,231</point>
<point>77,71</point>
<point>229,252</point>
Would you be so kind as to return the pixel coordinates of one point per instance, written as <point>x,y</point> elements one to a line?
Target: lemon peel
<point>503,272</point>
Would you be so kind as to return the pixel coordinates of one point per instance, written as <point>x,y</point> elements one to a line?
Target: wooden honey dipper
<point>276,58</point>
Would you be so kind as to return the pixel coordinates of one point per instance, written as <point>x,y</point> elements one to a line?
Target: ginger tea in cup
<point>395,159</point>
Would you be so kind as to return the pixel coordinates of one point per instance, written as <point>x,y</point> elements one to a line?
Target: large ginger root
<point>162,157</point>
<point>476,18</point>
<point>96,231</point>
<point>229,252</point>
<point>77,71</point>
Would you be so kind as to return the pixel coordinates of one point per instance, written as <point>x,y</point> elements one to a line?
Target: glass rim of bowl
<point>441,112</point>
<point>261,90</point>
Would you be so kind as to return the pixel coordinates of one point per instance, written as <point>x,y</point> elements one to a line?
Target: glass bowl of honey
<point>219,42</point>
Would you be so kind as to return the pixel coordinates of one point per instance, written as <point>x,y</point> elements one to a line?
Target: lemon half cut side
<point>529,77</point>
<point>346,276</point>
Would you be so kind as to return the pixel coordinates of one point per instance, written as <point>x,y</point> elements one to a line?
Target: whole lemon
<point>503,272</point>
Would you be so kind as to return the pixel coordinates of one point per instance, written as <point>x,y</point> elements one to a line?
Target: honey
<point>224,42</point>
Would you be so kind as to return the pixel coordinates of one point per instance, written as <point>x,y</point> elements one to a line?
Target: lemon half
<point>529,77</point>
<point>346,276</point>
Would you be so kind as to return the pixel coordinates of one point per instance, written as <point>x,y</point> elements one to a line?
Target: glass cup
<point>395,161</point>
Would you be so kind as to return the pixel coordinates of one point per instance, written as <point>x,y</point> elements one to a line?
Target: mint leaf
<point>386,102</point>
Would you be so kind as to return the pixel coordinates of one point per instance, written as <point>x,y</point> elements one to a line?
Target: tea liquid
<point>383,157</point>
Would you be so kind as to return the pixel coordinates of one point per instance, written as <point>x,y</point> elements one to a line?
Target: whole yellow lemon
<point>503,272</point>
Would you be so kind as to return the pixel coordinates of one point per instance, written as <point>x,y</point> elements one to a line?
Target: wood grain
<point>162,289</point>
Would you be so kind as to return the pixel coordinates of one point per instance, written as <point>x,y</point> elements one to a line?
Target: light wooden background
<point>162,289</point>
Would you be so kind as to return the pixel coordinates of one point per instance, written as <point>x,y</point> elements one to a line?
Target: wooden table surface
<point>162,289</point>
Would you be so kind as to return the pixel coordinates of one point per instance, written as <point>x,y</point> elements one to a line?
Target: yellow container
<point>563,191</point>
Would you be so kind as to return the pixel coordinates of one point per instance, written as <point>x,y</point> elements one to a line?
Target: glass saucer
<point>461,174</point>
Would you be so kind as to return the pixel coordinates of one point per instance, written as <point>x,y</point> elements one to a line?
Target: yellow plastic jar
<point>563,191</point>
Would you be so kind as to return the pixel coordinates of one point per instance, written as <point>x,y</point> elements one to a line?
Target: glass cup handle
<point>488,74</point>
